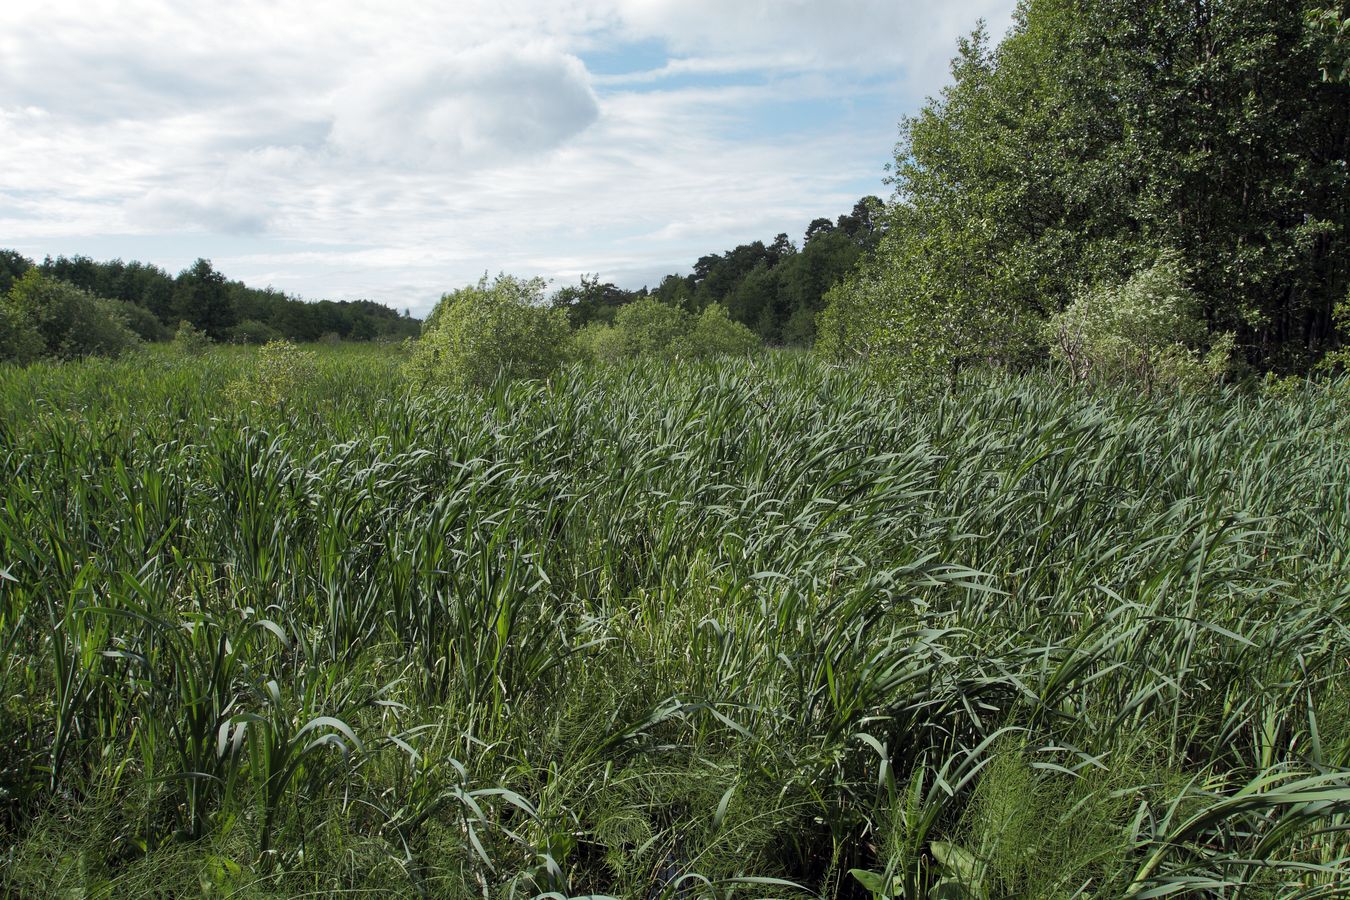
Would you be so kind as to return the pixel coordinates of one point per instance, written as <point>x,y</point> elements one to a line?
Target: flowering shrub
<point>282,371</point>
<point>1148,330</point>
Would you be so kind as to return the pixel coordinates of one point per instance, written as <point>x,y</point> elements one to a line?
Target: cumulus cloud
<point>484,104</point>
<point>393,148</point>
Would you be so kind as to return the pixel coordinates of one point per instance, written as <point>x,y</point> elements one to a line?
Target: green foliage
<point>140,320</point>
<point>483,332</point>
<point>639,629</point>
<point>1148,330</point>
<point>590,301</point>
<point>850,328</point>
<point>12,267</point>
<point>189,340</point>
<point>598,342</point>
<point>648,327</point>
<point>715,334</point>
<point>282,372</point>
<point>251,331</point>
<point>70,323</point>
<point>1038,827</point>
<point>775,290</point>
<point>202,296</point>
<point>1097,136</point>
<point>19,341</point>
<point>644,327</point>
<point>1339,360</point>
<point>1330,28</point>
<point>920,320</point>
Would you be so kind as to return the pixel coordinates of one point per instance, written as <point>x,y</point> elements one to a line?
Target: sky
<point>396,150</point>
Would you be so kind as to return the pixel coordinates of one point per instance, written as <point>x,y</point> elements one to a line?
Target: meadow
<point>755,628</point>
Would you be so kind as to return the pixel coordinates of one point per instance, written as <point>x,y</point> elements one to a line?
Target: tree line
<point>775,289</point>
<point>151,303</point>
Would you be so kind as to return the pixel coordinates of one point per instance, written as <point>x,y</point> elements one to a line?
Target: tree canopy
<point>153,302</point>
<point>776,289</point>
<point>1096,139</point>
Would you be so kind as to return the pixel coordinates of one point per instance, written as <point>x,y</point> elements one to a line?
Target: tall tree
<point>202,297</point>
<point>1100,135</point>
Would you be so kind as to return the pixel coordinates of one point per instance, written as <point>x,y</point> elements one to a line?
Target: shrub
<point>648,327</point>
<point>598,342</point>
<point>142,322</point>
<point>919,325</point>
<point>847,328</point>
<point>190,340</point>
<point>1339,359</point>
<point>19,341</point>
<point>251,331</point>
<point>715,334</point>
<point>70,322</point>
<point>1147,330</point>
<point>283,370</point>
<point>481,332</point>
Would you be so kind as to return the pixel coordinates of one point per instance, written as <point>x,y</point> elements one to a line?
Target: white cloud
<point>395,149</point>
<point>210,212</point>
<point>483,104</point>
<point>868,35</point>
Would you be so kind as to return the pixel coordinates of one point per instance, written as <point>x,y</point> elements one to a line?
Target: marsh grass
<point>695,629</point>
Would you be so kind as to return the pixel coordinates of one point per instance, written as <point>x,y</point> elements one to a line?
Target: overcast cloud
<point>397,150</point>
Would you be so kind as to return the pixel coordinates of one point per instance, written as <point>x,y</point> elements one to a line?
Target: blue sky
<point>396,150</point>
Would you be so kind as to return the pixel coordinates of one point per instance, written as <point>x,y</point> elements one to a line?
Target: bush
<point>645,327</point>
<point>1148,330</point>
<point>251,331</point>
<point>481,332</point>
<point>142,322</point>
<point>190,340</point>
<point>19,341</point>
<point>598,342</point>
<point>922,309</point>
<point>715,334</point>
<point>846,327</point>
<point>648,327</point>
<point>71,323</point>
<point>283,370</point>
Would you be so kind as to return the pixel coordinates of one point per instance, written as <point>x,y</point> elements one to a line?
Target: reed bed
<point>734,629</point>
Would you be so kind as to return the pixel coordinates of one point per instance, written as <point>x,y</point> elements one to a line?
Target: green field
<point>667,630</point>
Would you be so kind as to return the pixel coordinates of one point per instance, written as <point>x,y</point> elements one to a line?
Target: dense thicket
<point>776,290</point>
<point>277,627</point>
<point>225,310</point>
<point>1096,139</point>
<point>45,316</point>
